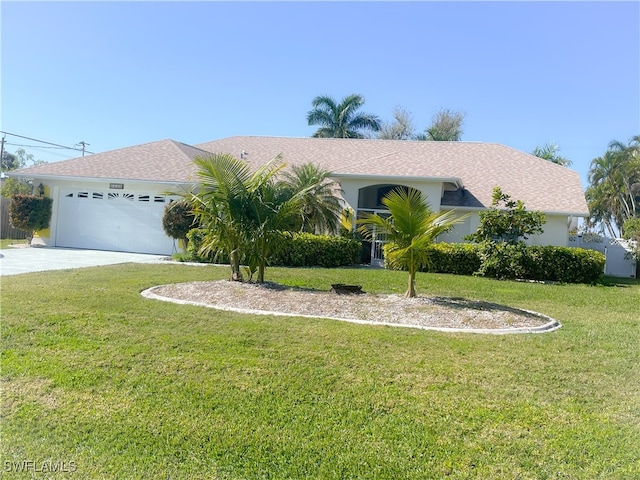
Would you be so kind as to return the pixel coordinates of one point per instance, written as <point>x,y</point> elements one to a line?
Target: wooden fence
<point>6,230</point>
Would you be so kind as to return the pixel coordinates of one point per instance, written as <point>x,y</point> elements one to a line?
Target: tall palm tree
<point>319,205</point>
<point>411,227</point>
<point>550,152</point>
<point>630,172</point>
<point>614,191</point>
<point>341,120</point>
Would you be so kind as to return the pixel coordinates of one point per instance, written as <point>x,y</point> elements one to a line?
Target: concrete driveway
<point>14,261</point>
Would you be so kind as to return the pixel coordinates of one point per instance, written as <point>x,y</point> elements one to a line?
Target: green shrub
<point>30,213</point>
<point>456,258</point>
<point>517,261</point>
<point>178,219</point>
<point>503,260</point>
<point>290,250</point>
<point>559,264</point>
<point>573,265</point>
<point>195,238</point>
<point>308,250</point>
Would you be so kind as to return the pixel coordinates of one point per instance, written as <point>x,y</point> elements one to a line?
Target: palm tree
<point>269,209</point>
<point>630,172</point>
<point>319,205</point>
<point>550,152</point>
<point>242,212</point>
<point>411,227</point>
<point>341,120</point>
<point>227,208</point>
<point>614,191</point>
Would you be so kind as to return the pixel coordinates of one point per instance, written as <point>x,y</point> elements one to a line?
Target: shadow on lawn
<point>619,282</point>
<point>459,303</point>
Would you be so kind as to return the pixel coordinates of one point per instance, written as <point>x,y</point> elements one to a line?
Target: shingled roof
<point>540,184</point>
<point>164,161</point>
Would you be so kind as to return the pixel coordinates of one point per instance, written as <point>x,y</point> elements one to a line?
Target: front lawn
<point>109,385</point>
<point>10,242</point>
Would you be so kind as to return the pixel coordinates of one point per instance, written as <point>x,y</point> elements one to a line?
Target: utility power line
<point>83,150</point>
<point>35,146</point>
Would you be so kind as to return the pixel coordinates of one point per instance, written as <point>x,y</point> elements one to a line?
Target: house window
<point>384,191</point>
<point>83,194</point>
<point>143,198</point>
<point>159,199</point>
<point>97,195</point>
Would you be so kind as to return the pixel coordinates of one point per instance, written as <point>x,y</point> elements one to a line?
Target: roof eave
<point>91,179</point>
<point>481,209</point>
<point>363,176</point>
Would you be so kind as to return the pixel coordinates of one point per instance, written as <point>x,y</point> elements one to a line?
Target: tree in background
<point>549,151</point>
<point>13,186</point>
<point>401,128</point>
<point>631,231</point>
<point>410,228</point>
<point>446,126</point>
<point>613,194</point>
<point>341,120</point>
<point>319,205</point>
<point>20,159</point>
<point>507,221</point>
<point>9,162</point>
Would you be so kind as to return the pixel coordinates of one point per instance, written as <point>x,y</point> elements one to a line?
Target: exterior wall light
<point>41,189</point>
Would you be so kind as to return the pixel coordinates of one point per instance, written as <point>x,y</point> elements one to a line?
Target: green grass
<point>8,242</point>
<point>127,387</point>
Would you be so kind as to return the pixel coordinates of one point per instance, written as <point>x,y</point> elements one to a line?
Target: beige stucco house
<point>115,200</point>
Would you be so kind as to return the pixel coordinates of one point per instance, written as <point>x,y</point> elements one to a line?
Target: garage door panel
<point>120,221</point>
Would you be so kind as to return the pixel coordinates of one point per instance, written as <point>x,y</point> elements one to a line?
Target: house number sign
<point>116,186</point>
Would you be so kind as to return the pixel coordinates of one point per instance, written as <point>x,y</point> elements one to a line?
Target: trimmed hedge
<point>291,250</point>
<point>456,258</point>
<point>557,264</point>
<point>511,261</point>
<point>308,250</point>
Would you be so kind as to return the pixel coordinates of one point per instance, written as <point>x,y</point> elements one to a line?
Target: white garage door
<point>106,220</point>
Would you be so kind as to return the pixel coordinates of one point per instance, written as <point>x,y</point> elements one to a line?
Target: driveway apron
<point>14,261</point>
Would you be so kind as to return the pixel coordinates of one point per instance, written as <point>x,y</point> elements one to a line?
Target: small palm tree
<point>226,206</point>
<point>341,120</point>
<point>242,211</point>
<point>411,227</point>
<point>319,205</point>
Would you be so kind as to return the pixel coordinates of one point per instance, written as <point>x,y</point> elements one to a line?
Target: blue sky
<point>116,74</point>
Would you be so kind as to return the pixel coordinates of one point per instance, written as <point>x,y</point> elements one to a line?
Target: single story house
<point>115,200</point>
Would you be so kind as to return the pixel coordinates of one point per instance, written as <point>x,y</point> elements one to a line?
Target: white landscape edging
<point>550,326</point>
